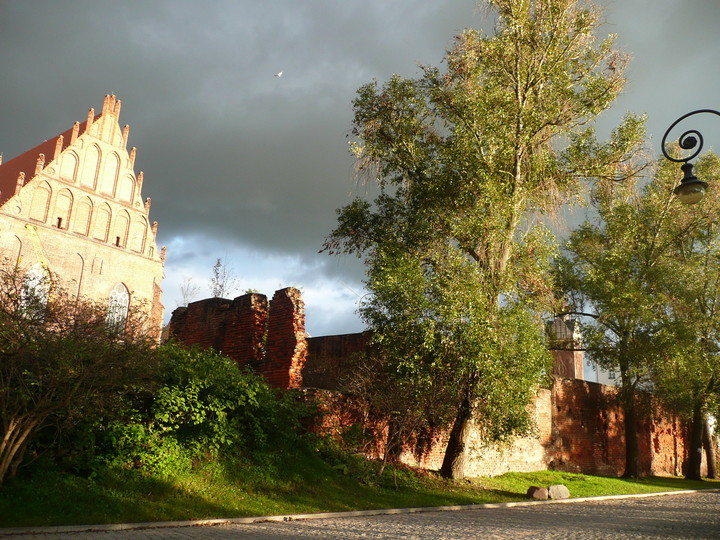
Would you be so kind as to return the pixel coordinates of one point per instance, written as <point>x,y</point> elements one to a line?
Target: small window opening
<point>117,241</point>
<point>59,223</point>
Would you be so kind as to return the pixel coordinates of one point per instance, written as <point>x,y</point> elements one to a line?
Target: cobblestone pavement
<point>690,515</point>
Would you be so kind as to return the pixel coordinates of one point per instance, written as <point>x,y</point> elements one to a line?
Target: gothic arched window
<point>118,305</point>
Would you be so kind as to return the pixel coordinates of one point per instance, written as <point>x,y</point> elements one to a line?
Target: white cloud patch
<point>330,300</point>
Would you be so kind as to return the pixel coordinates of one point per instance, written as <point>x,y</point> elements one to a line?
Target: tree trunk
<point>393,445</point>
<point>708,444</point>
<point>695,450</point>
<point>632,450</point>
<point>455,454</point>
<point>13,444</point>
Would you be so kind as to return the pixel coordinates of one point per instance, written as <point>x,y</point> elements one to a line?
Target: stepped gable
<point>72,207</point>
<point>27,161</point>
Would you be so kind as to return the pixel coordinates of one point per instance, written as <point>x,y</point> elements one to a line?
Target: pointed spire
<point>109,104</point>
<point>133,151</point>
<point>163,254</point>
<point>91,116</point>
<point>20,182</point>
<point>76,129</point>
<point>148,202</point>
<point>58,147</point>
<point>126,132</point>
<point>140,181</point>
<point>118,103</point>
<point>154,228</point>
<point>40,163</point>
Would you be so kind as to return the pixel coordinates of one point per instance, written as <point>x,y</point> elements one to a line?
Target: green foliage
<point>644,269</point>
<point>61,364</point>
<point>469,161</point>
<point>206,398</point>
<point>689,373</point>
<point>203,406</point>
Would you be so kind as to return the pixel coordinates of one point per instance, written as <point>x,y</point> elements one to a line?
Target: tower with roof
<point>71,209</point>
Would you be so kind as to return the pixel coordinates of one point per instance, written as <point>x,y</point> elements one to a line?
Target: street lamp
<point>690,190</point>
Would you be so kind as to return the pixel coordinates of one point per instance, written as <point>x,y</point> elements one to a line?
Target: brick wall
<point>568,363</point>
<point>271,339</point>
<point>579,428</point>
<point>329,356</point>
<point>286,344</point>
<point>579,423</point>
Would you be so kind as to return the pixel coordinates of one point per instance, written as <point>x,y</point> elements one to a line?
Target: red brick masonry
<point>579,423</point>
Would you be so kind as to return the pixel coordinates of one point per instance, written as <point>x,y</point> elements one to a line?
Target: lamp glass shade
<point>691,192</point>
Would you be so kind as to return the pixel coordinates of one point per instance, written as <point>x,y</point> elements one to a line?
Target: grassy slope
<point>303,484</point>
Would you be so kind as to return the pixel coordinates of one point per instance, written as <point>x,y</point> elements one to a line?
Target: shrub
<point>61,363</point>
<point>202,406</point>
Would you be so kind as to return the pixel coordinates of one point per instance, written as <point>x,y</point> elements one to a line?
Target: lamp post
<point>690,190</point>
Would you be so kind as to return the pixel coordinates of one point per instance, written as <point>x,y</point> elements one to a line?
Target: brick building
<point>71,212</point>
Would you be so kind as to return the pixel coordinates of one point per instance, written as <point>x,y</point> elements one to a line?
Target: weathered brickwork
<point>579,424</point>
<point>269,339</point>
<point>72,206</point>
<point>578,429</point>
<point>329,357</point>
<point>236,327</point>
<point>568,363</point>
<point>286,344</point>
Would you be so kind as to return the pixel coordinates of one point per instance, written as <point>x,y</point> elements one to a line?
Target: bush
<point>203,406</point>
<point>207,403</point>
<point>61,364</point>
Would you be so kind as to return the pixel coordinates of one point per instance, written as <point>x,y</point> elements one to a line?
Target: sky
<point>248,166</point>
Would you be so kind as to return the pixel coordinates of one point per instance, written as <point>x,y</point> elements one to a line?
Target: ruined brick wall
<point>269,339</point>
<point>589,432</point>
<point>245,329</point>
<point>521,454</point>
<point>568,363</point>
<point>579,428</point>
<point>579,424</point>
<point>286,344</point>
<point>587,429</point>
<point>329,357</point>
<point>668,441</point>
<point>233,327</point>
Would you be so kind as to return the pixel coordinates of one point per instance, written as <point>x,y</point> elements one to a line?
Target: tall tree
<point>634,270</point>
<point>467,161</point>
<point>688,375</point>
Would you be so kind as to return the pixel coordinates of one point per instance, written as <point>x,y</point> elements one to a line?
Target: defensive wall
<point>579,424</point>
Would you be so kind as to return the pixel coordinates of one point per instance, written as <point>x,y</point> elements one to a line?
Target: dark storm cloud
<point>236,157</point>
<point>227,147</point>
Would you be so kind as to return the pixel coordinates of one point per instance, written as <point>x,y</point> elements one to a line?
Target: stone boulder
<point>558,491</point>
<point>537,493</point>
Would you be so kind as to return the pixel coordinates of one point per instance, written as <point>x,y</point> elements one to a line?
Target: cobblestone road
<point>690,515</point>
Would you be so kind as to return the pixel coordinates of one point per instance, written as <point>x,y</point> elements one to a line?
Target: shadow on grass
<point>297,483</point>
<point>63,499</point>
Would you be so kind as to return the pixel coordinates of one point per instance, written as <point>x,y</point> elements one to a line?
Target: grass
<point>302,483</point>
